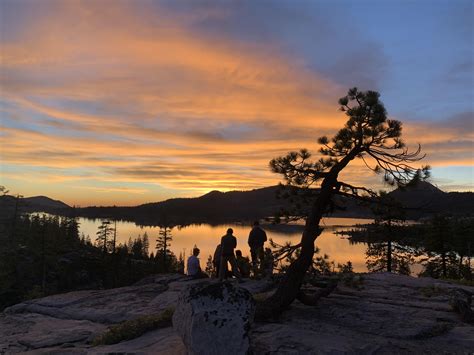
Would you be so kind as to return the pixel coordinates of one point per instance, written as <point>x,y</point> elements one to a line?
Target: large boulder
<point>215,318</point>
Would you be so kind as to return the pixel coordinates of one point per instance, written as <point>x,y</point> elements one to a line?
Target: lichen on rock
<point>215,318</point>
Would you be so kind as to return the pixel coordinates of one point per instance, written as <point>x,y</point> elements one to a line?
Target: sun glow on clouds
<point>131,104</point>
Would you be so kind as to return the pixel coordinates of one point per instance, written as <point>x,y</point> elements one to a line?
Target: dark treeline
<point>213,208</point>
<point>42,255</point>
<point>443,244</point>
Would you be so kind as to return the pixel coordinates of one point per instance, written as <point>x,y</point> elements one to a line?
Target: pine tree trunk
<point>443,263</point>
<point>43,260</point>
<point>389,256</point>
<point>15,216</point>
<point>291,283</point>
<point>164,252</point>
<point>115,237</point>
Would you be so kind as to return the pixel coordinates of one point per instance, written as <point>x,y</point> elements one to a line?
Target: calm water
<point>206,237</point>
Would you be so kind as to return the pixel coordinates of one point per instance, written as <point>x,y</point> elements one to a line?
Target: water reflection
<point>206,237</point>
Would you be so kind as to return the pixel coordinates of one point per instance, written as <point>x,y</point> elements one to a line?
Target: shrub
<point>134,328</point>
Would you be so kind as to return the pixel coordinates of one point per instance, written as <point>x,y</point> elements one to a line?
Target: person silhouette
<point>193,266</point>
<point>228,244</point>
<point>257,238</point>
<point>243,264</point>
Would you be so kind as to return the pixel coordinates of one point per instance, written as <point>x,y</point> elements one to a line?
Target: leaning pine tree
<point>367,135</point>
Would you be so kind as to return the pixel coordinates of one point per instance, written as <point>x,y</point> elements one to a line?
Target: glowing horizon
<point>122,103</point>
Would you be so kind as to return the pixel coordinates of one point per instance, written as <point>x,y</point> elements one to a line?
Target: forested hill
<point>214,207</point>
<point>423,200</point>
<point>9,203</point>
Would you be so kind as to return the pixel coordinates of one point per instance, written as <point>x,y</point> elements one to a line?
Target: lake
<point>206,237</point>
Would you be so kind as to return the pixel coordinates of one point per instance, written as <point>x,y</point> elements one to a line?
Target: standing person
<point>228,244</point>
<point>194,268</point>
<point>257,237</point>
<point>216,261</point>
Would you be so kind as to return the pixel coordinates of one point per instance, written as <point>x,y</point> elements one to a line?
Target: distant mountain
<point>425,199</point>
<point>39,202</point>
<point>213,207</point>
<point>422,200</point>
<point>422,190</point>
<point>31,204</point>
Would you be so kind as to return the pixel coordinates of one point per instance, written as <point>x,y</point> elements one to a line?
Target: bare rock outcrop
<point>387,314</point>
<point>384,314</point>
<point>72,320</point>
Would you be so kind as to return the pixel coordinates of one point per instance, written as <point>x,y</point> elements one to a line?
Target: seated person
<point>243,264</point>
<point>216,261</point>
<point>194,269</point>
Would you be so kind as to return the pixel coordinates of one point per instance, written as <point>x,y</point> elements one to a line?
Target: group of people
<point>225,253</point>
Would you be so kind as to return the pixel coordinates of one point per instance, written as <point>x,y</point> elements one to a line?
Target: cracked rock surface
<point>215,318</point>
<point>388,314</point>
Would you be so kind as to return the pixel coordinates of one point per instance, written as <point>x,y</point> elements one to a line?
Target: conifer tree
<point>162,246</point>
<point>114,240</point>
<point>146,245</point>
<point>439,243</point>
<point>130,245</point>
<point>209,266</point>
<point>180,263</point>
<point>385,253</point>
<point>104,232</point>
<point>137,248</point>
<point>3,190</point>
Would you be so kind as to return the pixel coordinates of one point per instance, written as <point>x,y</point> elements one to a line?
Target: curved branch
<point>367,165</point>
<point>394,165</point>
<point>356,197</point>
<point>283,251</point>
<point>355,189</point>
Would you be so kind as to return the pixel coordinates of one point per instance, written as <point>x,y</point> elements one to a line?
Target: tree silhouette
<point>180,263</point>
<point>3,190</point>
<point>446,241</point>
<point>137,248</point>
<point>209,266</point>
<point>463,242</point>
<point>104,231</point>
<point>162,246</point>
<point>388,256</point>
<point>146,245</point>
<point>114,240</point>
<point>384,252</point>
<point>367,135</point>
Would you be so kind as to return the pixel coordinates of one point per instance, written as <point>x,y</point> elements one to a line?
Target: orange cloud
<point>101,92</point>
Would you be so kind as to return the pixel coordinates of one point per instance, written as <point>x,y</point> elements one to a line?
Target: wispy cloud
<point>123,94</point>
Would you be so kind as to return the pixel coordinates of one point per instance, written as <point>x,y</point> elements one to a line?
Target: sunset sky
<point>110,102</point>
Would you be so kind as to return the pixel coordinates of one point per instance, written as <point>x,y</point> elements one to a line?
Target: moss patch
<point>352,280</point>
<point>259,297</point>
<point>433,331</point>
<point>432,291</point>
<point>134,328</point>
<point>463,282</point>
